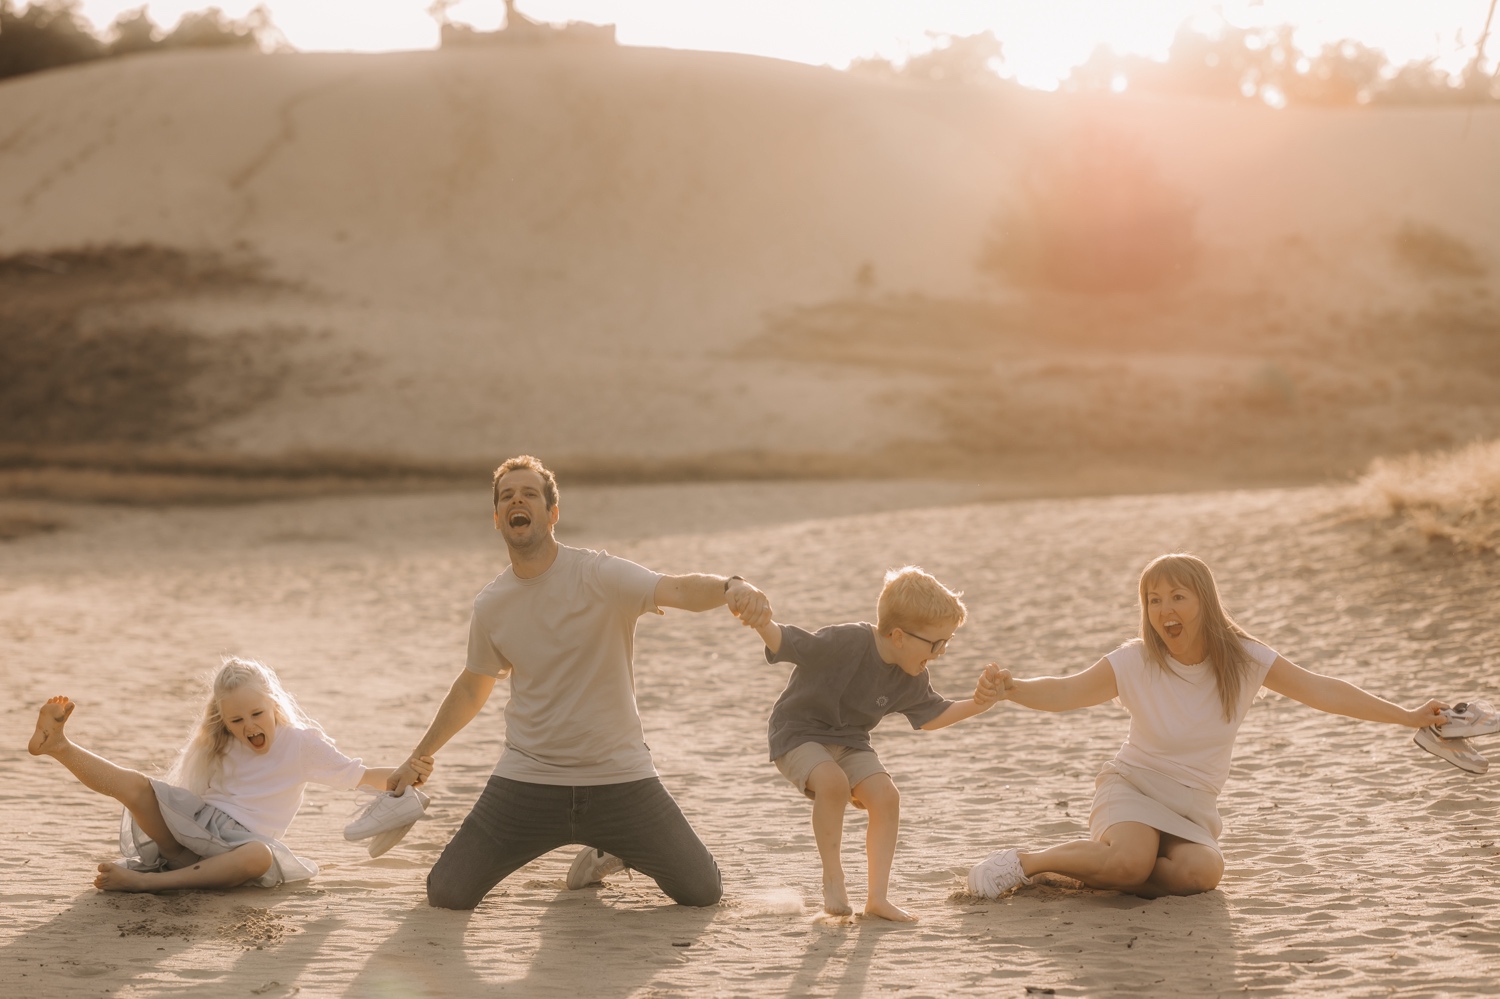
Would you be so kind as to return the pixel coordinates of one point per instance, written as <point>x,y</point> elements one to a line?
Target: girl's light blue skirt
<point>208,832</point>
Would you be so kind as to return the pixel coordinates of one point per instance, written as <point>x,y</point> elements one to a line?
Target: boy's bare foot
<point>886,910</point>
<point>836,899</point>
<point>113,877</point>
<point>48,737</point>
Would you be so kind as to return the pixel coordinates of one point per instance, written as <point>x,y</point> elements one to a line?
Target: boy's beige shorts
<point>857,764</point>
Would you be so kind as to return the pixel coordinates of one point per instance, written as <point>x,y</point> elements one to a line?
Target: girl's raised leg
<point>129,787</point>
<point>226,870</point>
<point>830,788</point>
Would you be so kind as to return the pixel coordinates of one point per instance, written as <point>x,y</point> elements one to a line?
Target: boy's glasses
<point>937,646</point>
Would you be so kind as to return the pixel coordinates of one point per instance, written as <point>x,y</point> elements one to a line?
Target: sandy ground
<point>1357,865</point>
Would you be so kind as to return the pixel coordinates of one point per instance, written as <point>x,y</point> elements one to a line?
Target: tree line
<point>53,33</point>
<point>1222,63</point>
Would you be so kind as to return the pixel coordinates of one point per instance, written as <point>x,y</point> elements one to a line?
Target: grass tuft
<point>1451,496</point>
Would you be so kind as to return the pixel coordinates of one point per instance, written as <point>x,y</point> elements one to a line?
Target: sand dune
<point>1357,864</point>
<point>574,250</point>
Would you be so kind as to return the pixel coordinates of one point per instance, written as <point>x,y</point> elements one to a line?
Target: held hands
<point>413,772</point>
<point>747,603</point>
<point>995,684</point>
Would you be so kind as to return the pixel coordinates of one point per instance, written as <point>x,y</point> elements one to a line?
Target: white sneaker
<point>592,866</point>
<point>385,813</point>
<point>997,874</point>
<point>1456,751</point>
<point>381,843</point>
<point>1468,719</point>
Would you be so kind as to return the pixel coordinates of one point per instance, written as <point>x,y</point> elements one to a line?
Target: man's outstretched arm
<point>465,698</point>
<point>701,592</point>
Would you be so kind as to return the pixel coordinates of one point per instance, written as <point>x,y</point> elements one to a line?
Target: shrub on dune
<point>1453,495</point>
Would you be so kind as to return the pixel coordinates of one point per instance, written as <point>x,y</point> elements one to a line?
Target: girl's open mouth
<point>257,741</point>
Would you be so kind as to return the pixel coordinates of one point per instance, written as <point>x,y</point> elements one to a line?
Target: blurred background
<point>1085,247</point>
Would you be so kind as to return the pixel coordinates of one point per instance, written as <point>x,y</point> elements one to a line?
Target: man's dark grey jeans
<point>514,822</point>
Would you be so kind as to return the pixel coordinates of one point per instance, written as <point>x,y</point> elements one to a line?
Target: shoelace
<point>364,798</point>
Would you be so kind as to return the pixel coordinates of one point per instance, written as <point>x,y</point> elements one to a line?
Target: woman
<point>1187,682</point>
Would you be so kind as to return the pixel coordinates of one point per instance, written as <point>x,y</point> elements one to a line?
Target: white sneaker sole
<point>1455,751</point>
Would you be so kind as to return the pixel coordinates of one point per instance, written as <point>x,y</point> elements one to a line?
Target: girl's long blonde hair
<point>199,759</point>
<point>1222,637</point>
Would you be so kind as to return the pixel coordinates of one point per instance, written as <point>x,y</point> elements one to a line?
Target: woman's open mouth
<point>1173,629</point>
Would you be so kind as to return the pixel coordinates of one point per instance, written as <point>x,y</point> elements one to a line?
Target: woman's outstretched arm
<point>1340,697</point>
<point>1094,685</point>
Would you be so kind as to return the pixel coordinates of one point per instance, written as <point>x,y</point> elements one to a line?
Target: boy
<point>847,677</point>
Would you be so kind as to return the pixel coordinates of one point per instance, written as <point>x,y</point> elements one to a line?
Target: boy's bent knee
<point>828,780</point>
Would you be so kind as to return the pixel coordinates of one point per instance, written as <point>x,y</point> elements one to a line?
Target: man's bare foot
<point>48,737</point>
<point>885,910</point>
<point>836,899</point>
<point>114,877</point>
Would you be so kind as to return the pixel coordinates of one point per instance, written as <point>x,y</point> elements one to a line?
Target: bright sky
<point>1043,39</point>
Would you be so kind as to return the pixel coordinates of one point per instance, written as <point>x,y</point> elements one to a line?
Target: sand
<point>1357,865</point>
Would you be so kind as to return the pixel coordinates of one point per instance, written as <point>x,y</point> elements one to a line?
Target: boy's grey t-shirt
<point>840,688</point>
<point>566,638</point>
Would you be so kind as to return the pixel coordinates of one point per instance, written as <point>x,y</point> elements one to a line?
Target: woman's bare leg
<point>1182,868</point>
<point>129,787</point>
<point>1122,859</point>
<point>830,788</point>
<point>226,870</point>
<point>883,803</point>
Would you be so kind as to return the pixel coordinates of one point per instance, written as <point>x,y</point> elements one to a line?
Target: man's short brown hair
<point>549,481</point>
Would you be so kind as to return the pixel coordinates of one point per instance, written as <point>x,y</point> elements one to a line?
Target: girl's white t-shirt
<point>262,791</point>
<point>1177,725</point>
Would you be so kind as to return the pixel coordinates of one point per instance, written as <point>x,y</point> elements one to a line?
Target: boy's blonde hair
<point>198,761</point>
<point>912,598</point>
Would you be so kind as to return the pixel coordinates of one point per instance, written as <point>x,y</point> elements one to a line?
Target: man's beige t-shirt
<point>566,638</point>
<point>1177,726</point>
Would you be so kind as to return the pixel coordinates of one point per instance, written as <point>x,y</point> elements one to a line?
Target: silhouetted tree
<point>958,59</point>
<point>52,33</point>
<point>1265,64</point>
<point>43,36</point>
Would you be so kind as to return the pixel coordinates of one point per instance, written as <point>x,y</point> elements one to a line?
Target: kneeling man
<point>560,622</point>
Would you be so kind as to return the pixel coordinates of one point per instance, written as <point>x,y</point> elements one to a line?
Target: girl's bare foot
<point>113,877</point>
<point>48,737</point>
<point>836,899</point>
<point>885,910</point>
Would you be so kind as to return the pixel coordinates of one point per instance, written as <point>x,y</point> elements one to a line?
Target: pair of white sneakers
<point>1450,740</point>
<point>386,818</point>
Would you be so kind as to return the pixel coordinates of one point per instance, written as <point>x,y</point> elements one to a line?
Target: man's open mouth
<point>519,519</point>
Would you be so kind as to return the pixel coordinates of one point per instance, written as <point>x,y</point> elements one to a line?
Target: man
<point>560,622</point>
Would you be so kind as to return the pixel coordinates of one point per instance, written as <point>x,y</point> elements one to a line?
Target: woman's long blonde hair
<point>199,759</point>
<point>1222,637</point>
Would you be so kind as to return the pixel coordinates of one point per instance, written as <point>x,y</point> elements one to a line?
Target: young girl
<point>1187,682</point>
<point>217,819</point>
